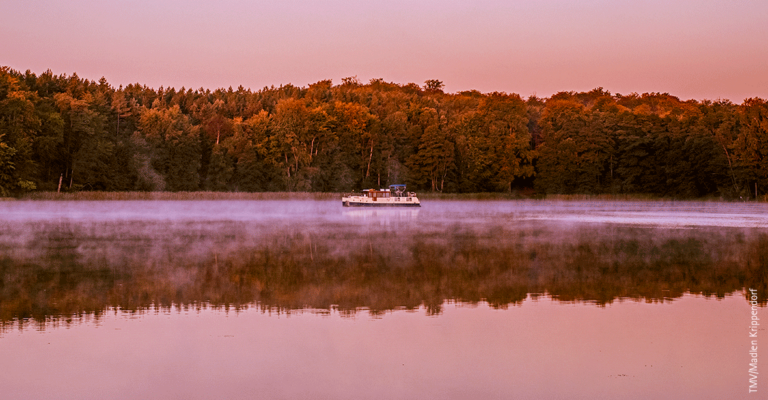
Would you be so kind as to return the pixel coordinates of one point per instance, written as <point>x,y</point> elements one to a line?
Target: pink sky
<point>701,49</point>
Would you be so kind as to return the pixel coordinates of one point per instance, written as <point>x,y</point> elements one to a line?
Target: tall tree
<point>752,145</point>
<point>175,146</point>
<point>434,158</point>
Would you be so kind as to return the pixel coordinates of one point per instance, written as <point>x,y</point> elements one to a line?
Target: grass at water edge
<point>429,196</point>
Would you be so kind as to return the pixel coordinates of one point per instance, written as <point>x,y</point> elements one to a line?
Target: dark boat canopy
<point>397,190</point>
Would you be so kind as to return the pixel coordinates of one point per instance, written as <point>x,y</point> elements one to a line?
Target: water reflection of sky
<point>690,348</point>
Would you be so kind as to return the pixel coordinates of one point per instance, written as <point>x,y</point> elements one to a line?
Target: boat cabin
<point>376,194</point>
<point>393,191</point>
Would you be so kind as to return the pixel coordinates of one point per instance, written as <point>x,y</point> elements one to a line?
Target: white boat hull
<point>361,201</point>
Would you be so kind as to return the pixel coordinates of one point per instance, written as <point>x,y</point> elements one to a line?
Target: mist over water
<point>627,295</point>
<point>298,211</point>
<point>297,255</point>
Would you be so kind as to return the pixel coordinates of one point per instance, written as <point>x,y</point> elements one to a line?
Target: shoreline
<point>177,196</point>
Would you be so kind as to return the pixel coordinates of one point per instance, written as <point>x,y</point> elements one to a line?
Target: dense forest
<point>59,130</point>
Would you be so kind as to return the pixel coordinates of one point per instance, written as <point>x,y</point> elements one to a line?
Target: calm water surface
<point>306,299</point>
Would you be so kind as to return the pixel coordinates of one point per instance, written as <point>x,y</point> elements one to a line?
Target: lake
<point>307,299</point>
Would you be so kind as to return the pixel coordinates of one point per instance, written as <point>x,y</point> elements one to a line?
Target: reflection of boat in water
<point>395,196</point>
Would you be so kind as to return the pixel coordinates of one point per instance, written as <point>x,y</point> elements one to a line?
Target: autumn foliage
<point>325,138</point>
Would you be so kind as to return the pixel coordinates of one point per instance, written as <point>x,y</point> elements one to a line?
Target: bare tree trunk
<point>311,149</point>
<point>287,166</point>
<point>728,157</point>
<point>61,177</point>
<point>389,167</point>
<point>442,177</point>
<point>370,157</point>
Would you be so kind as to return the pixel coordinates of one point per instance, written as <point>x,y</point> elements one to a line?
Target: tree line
<point>59,131</point>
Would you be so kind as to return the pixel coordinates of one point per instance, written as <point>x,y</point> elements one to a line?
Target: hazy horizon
<point>692,50</point>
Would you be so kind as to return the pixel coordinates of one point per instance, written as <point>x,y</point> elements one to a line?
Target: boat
<point>394,196</point>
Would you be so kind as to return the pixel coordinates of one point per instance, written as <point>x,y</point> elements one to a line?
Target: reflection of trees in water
<point>66,271</point>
